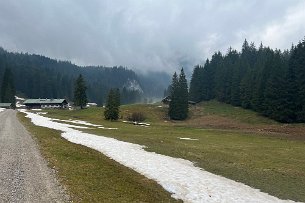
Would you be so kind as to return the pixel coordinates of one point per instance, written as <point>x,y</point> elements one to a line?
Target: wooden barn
<point>45,103</point>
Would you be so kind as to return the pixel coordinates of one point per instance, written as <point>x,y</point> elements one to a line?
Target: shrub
<point>136,117</point>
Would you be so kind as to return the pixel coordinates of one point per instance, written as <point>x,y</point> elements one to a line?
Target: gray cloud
<point>148,34</point>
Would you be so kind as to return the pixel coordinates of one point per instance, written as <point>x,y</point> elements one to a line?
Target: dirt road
<point>24,175</point>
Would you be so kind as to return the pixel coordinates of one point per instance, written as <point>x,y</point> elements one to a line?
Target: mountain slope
<point>41,77</point>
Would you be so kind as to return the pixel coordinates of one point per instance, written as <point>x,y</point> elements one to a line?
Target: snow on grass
<point>147,124</point>
<point>80,122</point>
<point>186,138</point>
<point>2,109</point>
<point>51,120</point>
<point>102,127</point>
<point>41,113</point>
<point>137,123</point>
<point>18,105</point>
<point>178,176</point>
<point>19,98</point>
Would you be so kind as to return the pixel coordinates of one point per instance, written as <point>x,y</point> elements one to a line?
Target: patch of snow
<point>41,113</point>
<point>136,123</point>
<point>133,85</point>
<point>18,105</point>
<point>178,176</point>
<point>80,122</point>
<point>186,138</point>
<point>36,109</point>
<point>19,98</point>
<point>92,104</point>
<point>159,106</point>
<point>53,119</point>
<point>147,124</point>
<point>107,128</point>
<point>2,109</point>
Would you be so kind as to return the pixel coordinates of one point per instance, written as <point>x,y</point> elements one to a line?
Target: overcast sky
<point>160,35</point>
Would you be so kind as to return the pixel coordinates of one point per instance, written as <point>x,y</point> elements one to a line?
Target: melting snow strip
<point>178,176</point>
<point>186,138</point>
<point>81,122</point>
<point>107,128</point>
<point>41,113</point>
<point>1,109</point>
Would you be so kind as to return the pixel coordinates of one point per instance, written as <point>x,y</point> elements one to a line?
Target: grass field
<point>232,142</point>
<point>89,176</point>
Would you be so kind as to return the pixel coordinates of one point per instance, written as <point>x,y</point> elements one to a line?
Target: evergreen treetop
<point>80,97</point>
<point>111,111</point>
<point>178,106</point>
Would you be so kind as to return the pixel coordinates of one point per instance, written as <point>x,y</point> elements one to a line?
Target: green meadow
<point>232,142</point>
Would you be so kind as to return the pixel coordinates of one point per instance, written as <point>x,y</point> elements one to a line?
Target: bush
<point>136,117</point>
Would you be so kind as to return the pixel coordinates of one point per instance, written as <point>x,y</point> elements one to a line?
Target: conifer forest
<point>271,82</point>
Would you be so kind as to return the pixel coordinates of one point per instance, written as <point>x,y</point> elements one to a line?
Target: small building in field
<point>166,100</point>
<point>45,103</point>
<point>6,105</point>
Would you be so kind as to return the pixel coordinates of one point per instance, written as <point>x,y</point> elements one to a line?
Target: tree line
<point>41,77</point>
<point>271,82</point>
<point>7,90</point>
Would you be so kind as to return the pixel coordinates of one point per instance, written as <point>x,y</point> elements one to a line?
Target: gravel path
<point>24,175</point>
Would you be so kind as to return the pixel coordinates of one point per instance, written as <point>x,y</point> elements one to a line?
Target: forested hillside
<point>37,76</point>
<point>271,82</point>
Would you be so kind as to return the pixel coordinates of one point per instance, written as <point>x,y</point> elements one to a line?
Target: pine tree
<point>287,108</point>
<point>183,96</point>
<point>178,106</point>
<point>246,90</point>
<point>117,97</point>
<point>112,106</point>
<point>173,105</point>
<point>297,64</point>
<point>196,84</point>
<point>80,97</point>
<point>8,91</point>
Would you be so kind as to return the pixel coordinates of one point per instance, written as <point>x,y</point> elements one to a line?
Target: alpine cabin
<point>45,103</point>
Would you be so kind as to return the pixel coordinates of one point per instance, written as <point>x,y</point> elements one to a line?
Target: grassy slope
<point>273,164</point>
<point>90,176</point>
<point>237,113</point>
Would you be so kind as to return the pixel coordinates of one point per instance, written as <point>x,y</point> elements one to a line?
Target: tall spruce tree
<point>112,105</point>
<point>183,96</point>
<point>196,84</point>
<point>178,106</point>
<point>117,97</point>
<point>173,104</point>
<point>297,65</point>
<point>80,97</point>
<point>8,91</point>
